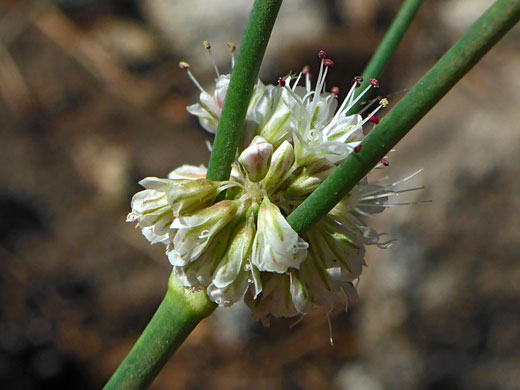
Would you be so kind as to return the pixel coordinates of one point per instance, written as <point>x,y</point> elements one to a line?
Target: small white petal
<point>277,247</point>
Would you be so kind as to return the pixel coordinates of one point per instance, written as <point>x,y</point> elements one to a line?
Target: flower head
<point>243,246</point>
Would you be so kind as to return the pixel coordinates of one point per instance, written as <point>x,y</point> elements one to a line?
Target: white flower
<point>231,278</point>
<point>319,133</point>
<point>283,295</point>
<point>153,214</point>
<point>164,199</point>
<point>210,107</point>
<point>193,233</point>
<point>243,246</point>
<point>277,247</point>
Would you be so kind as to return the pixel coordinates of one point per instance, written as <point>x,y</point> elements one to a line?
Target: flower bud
<point>255,159</point>
<point>187,171</point>
<point>153,214</point>
<point>277,247</point>
<point>310,178</point>
<point>199,273</point>
<point>230,280</point>
<point>196,231</point>
<point>278,128</point>
<point>184,195</point>
<point>281,163</point>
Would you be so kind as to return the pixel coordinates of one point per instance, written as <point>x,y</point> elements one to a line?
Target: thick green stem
<point>387,47</point>
<point>176,317</point>
<point>240,90</point>
<point>486,32</point>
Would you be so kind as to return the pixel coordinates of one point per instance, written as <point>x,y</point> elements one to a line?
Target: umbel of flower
<point>243,246</point>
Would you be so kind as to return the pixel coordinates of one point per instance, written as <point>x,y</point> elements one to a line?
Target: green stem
<point>176,317</point>
<point>240,90</point>
<point>387,47</point>
<point>486,32</point>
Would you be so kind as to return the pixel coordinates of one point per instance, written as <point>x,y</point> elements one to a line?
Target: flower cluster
<point>243,246</point>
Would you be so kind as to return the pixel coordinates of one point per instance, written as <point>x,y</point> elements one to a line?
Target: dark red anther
<point>335,91</point>
<point>357,80</point>
<point>322,54</point>
<point>374,119</point>
<point>357,149</point>
<point>328,62</point>
<point>374,83</point>
<point>281,81</point>
<point>385,162</point>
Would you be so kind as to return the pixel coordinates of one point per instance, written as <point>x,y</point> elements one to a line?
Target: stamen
<point>390,205</point>
<point>329,325</point>
<point>374,83</point>
<point>281,81</point>
<point>358,148</point>
<point>357,81</point>
<point>369,104</point>
<point>374,119</point>
<point>382,103</point>
<point>363,213</point>
<point>184,65</point>
<point>341,108</point>
<point>232,48</point>
<point>385,162</point>
<point>297,81</point>
<point>319,83</point>
<point>328,62</point>
<point>208,48</point>
<point>358,98</point>
<point>308,76</point>
<point>389,193</point>
<point>335,91</point>
<point>395,184</point>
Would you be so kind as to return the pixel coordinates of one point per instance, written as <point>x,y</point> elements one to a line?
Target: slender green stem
<point>387,47</point>
<point>243,79</point>
<point>486,32</point>
<point>176,317</point>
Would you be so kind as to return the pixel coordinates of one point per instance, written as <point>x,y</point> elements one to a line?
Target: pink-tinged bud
<point>322,54</point>
<point>374,119</point>
<point>385,162</point>
<point>374,83</point>
<point>357,149</point>
<point>328,62</point>
<point>357,81</point>
<point>256,158</point>
<point>281,81</point>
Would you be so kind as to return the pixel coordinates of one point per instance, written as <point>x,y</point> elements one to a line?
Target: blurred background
<point>92,100</point>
